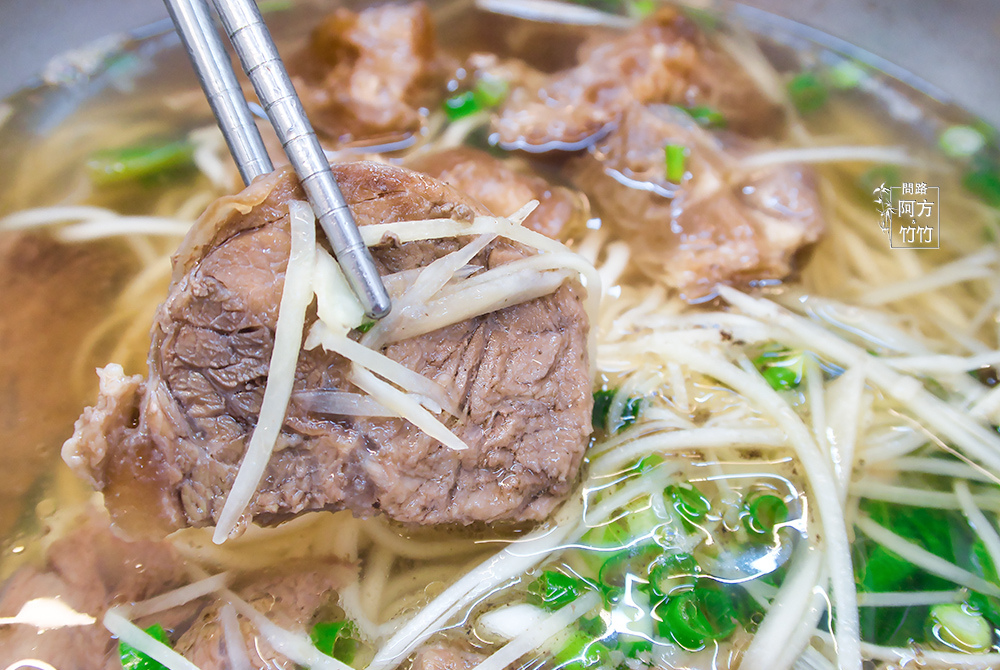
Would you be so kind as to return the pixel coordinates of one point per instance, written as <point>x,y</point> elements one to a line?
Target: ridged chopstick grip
<point>263,65</point>
<point>193,21</point>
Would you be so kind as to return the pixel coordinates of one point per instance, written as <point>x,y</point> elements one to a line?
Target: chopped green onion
<point>984,183</point>
<point>490,91</point>
<point>693,617</point>
<point>683,621</point>
<point>602,411</point>
<point>635,562</point>
<point>707,117</point>
<point>846,75</point>
<point>688,501</point>
<point>988,606</point>
<point>718,608</point>
<point>882,570</point>
<point>673,574</point>
<point>781,368</point>
<point>582,651</point>
<point>461,105</point>
<point>553,590</point>
<point>676,155</point>
<point>365,326</point>
<point>934,530</point>
<point>633,645</point>
<point>641,520</point>
<point>624,535</point>
<point>961,627</point>
<point>336,639</point>
<point>943,533</point>
<point>133,659</point>
<point>640,9</point>
<point>808,94</point>
<point>116,166</point>
<point>608,536</point>
<point>764,512</point>
<point>961,141</point>
<point>647,463</point>
<point>781,378</point>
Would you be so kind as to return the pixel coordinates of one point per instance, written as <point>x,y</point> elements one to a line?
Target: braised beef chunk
<point>445,657</point>
<point>721,224</point>
<point>366,75</point>
<point>503,190</point>
<point>165,451</point>
<point>293,599</point>
<point>88,569</point>
<point>664,60</point>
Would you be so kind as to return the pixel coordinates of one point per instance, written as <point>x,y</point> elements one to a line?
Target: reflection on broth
<point>690,409</point>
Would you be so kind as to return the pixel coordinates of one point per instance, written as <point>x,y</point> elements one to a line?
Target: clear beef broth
<point>722,426</point>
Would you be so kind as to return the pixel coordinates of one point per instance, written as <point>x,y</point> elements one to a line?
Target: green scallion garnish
<point>807,92</point>
<point>133,659</point>
<point>580,651</point>
<point>688,501</point>
<point>461,105</point>
<point>116,166</point>
<point>782,369</point>
<point>640,9</point>
<point>694,617</point>
<point>673,573</point>
<point>490,92</point>
<point>961,141</point>
<point>764,512</point>
<point>846,75</point>
<point>962,627</point>
<point>336,639</point>
<point>602,411</point>
<point>706,117</point>
<point>553,590</point>
<point>984,183</point>
<point>676,155</point>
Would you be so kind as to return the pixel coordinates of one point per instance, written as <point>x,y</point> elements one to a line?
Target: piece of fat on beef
<point>89,569</point>
<point>165,456</point>
<point>504,190</point>
<point>294,598</point>
<point>666,59</point>
<point>722,224</point>
<point>370,75</point>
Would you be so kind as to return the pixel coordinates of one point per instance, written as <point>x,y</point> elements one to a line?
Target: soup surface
<point>691,363</point>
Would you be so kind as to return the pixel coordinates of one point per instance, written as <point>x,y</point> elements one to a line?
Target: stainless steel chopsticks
<point>211,62</point>
<point>261,62</point>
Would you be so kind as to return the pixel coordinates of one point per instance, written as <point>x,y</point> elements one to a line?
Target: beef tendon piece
<point>88,570</point>
<point>165,450</point>
<point>367,75</point>
<point>666,59</point>
<point>294,599</point>
<point>503,190</point>
<point>721,224</point>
